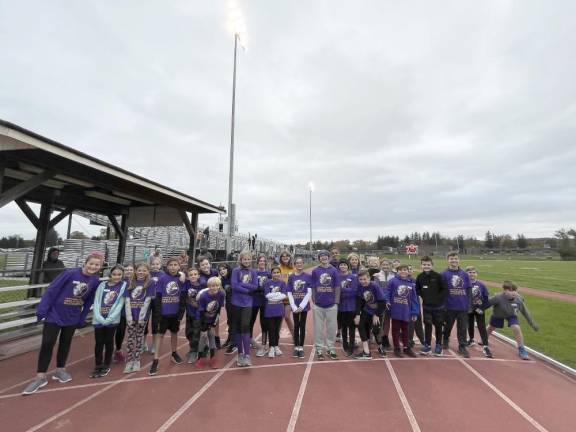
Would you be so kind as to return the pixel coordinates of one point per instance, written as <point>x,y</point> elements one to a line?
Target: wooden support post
<point>39,246</point>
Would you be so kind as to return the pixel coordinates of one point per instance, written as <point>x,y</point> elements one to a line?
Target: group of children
<point>342,295</point>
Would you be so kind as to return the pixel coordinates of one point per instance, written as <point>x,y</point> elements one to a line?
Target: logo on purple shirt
<point>110,298</point>
<point>80,288</point>
<point>171,288</point>
<point>325,279</point>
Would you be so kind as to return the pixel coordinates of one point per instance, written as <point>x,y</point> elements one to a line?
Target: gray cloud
<point>407,116</point>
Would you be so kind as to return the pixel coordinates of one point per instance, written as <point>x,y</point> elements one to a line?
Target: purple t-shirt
<point>191,302</point>
<point>155,276</point>
<point>138,296</point>
<point>479,294</point>
<point>210,305</point>
<point>244,281</point>
<point>401,296</point>
<point>458,283</point>
<point>170,289</point>
<point>109,297</point>
<point>274,308</point>
<point>348,292</point>
<point>324,282</point>
<point>68,298</point>
<point>371,294</point>
<point>203,279</point>
<point>263,277</point>
<point>298,285</point>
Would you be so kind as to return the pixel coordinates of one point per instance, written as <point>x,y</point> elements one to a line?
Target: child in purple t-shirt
<point>299,294</point>
<point>347,308</point>
<point>210,302</point>
<point>193,288</point>
<point>137,307</point>
<point>275,293</point>
<point>479,302</point>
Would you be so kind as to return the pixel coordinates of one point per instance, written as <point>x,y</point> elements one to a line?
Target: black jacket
<point>432,288</point>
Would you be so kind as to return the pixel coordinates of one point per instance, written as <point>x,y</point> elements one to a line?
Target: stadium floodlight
<point>238,27</point>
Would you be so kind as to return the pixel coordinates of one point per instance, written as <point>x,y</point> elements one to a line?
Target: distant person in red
<point>53,266</point>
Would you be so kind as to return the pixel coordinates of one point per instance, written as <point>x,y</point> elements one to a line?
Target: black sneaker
<point>319,356</point>
<point>409,352</point>
<point>349,353</point>
<point>96,372</point>
<point>398,352</point>
<point>471,342</point>
<point>231,349</point>
<point>333,355</point>
<point>463,352</point>
<point>363,356</point>
<point>217,342</point>
<point>154,368</point>
<point>301,353</point>
<point>295,353</point>
<point>176,358</point>
<point>381,350</point>
<point>487,352</point>
<point>104,370</point>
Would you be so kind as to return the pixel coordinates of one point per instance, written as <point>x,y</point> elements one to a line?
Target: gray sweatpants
<point>325,327</point>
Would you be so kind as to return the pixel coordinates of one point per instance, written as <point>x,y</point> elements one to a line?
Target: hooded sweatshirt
<point>244,282</point>
<point>51,268</point>
<point>431,287</point>
<point>505,307</point>
<point>68,298</point>
<point>108,304</point>
<point>459,293</point>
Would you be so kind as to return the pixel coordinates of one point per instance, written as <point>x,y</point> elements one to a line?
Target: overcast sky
<point>407,116</point>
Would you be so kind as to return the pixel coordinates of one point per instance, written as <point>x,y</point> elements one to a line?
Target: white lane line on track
<point>300,396</point>
<point>506,399</point>
<point>89,398</point>
<point>196,396</point>
<point>403,399</point>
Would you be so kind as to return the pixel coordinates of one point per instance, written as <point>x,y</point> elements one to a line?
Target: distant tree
<point>12,242</point>
<point>78,235</point>
<point>52,238</point>
<point>521,241</point>
<point>567,248</point>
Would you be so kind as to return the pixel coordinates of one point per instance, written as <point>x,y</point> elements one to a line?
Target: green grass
<point>557,327</point>
<point>11,296</point>
<point>548,275</point>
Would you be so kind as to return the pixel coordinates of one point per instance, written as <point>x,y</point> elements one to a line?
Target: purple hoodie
<point>274,308</point>
<point>372,295</point>
<point>138,296</point>
<point>258,299</point>
<point>68,298</point>
<point>324,286</point>
<point>479,294</point>
<point>459,293</point>
<point>298,285</point>
<point>191,302</point>
<point>172,295</point>
<point>401,296</point>
<point>209,306</point>
<point>348,292</point>
<point>244,281</point>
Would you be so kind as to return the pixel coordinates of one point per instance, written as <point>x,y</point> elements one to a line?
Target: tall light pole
<point>311,188</point>
<point>237,25</point>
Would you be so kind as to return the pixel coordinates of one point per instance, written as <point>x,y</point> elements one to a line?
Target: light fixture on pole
<point>238,27</point>
<point>311,188</point>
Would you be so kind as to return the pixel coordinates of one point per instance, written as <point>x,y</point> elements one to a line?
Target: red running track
<point>287,394</point>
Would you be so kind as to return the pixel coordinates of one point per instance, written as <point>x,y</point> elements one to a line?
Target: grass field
<point>548,275</point>
<point>557,327</point>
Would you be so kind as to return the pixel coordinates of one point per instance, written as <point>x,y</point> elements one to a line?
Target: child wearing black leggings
<point>299,294</point>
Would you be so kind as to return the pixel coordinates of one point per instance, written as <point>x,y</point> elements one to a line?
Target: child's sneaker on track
<point>463,352</point>
<point>426,350</point>
<point>35,385</point>
<point>438,350</point>
<point>523,353</point>
<point>62,376</point>
<point>154,368</point>
<point>409,352</point>
<point>319,355</point>
<point>398,353</point>
<point>176,358</point>
<point>487,352</point>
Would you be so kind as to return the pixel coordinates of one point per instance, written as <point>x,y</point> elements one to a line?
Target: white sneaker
<point>277,351</point>
<point>262,351</point>
<point>128,367</point>
<point>271,352</point>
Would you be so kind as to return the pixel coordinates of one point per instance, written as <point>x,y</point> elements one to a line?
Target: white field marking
<point>403,399</point>
<point>506,399</point>
<point>131,379</point>
<point>196,396</point>
<point>21,383</point>
<point>89,398</point>
<point>300,397</point>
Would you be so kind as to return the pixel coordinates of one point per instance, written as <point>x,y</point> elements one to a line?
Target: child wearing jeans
<point>275,293</point>
<point>210,302</point>
<point>137,305</point>
<point>402,302</point>
<point>299,294</point>
<point>108,307</point>
<point>479,303</point>
<point>325,296</point>
<point>506,307</point>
